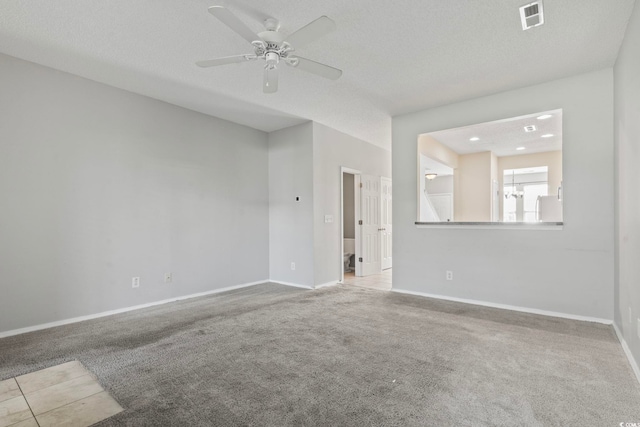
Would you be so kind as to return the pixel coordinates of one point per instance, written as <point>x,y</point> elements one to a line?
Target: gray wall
<point>349,206</point>
<point>331,151</point>
<point>291,221</point>
<point>627,137</point>
<point>99,185</point>
<point>568,271</point>
<point>306,161</point>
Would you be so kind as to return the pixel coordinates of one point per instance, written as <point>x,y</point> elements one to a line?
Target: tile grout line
<point>88,373</point>
<point>67,404</point>
<point>26,401</point>
<point>24,396</point>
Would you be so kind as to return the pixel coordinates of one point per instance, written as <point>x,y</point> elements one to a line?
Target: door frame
<point>382,201</point>
<point>356,204</point>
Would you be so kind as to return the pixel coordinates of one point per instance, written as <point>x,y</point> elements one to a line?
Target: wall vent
<point>531,15</point>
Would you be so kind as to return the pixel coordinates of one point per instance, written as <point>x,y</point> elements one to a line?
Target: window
<point>522,190</point>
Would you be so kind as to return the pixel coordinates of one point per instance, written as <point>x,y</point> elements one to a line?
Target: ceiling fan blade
<point>312,31</point>
<point>270,80</point>
<point>252,12</point>
<point>232,21</point>
<point>224,60</point>
<point>318,68</point>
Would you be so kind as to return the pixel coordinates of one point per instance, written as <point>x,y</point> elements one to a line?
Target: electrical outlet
<point>293,265</point>
<point>449,275</point>
<point>135,282</point>
<point>168,277</point>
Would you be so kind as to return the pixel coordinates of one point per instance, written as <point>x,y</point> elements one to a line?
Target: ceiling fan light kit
<point>273,47</point>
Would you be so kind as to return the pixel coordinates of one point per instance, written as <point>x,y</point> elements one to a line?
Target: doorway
<point>349,228</point>
<point>366,230</point>
<point>349,222</point>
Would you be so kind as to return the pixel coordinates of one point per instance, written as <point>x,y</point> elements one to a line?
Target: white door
<point>358,230</point>
<point>369,256</point>
<point>386,223</point>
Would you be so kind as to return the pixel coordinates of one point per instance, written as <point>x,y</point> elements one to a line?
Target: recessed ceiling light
<point>520,148</point>
<point>475,138</point>
<point>548,135</point>
<point>544,117</point>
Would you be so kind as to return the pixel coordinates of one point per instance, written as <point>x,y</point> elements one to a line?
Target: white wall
<point>291,221</point>
<point>568,271</point>
<point>438,185</point>
<point>627,137</point>
<point>331,151</point>
<point>99,185</point>
<point>427,212</point>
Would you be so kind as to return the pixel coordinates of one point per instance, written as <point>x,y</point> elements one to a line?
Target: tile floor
<point>63,395</point>
<point>381,281</point>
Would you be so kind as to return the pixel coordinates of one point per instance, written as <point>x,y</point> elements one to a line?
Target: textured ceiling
<point>397,56</point>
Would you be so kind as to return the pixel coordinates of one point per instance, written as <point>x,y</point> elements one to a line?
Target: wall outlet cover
<point>449,275</point>
<point>135,282</point>
<point>293,265</point>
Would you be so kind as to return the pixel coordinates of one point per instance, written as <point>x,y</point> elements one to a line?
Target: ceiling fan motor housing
<point>272,58</point>
<point>273,47</point>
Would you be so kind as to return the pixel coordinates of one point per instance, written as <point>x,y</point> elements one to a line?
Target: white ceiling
<point>504,137</point>
<point>397,56</point>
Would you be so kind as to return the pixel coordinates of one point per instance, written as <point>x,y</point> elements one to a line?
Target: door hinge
<point>360,222</point>
<point>360,259</point>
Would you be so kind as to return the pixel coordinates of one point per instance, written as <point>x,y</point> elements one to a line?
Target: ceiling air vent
<point>530,128</point>
<point>531,15</point>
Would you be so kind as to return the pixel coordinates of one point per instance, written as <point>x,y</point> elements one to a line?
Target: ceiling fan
<point>273,47</point>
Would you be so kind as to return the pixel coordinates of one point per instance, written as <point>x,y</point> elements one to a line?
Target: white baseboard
<point>122,310</point>
<point>627,352</point>
<point>508,307</point>
<point>325,285</point>
<point>295,285</point>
